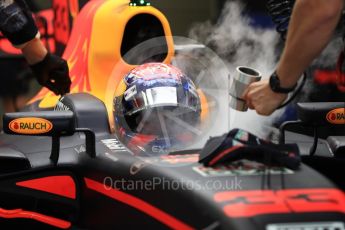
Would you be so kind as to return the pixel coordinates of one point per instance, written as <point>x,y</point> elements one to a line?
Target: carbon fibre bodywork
<point>118,189</point>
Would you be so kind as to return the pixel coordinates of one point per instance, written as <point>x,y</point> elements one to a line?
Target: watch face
<point>275,85</point>
<point>274,82</point>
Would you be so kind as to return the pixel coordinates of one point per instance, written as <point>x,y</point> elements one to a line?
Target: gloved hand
<point>52,72</point>
<point>239,144</point>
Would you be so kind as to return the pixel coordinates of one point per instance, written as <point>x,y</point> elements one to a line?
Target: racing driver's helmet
<point>153,107</point>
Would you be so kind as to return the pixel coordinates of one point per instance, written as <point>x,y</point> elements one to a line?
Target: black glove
<point>239,144</point>
<point>52,72</point>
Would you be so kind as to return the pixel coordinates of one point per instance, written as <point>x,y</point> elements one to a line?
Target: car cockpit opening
<point>140,29</point>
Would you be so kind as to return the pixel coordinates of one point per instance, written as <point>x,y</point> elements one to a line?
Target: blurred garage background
<point>182,15</point>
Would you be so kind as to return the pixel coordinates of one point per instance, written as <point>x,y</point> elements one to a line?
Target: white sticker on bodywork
<point>114,145</point>
<point>308,226</point>
<point>111,157</point>
<point>241,168</point>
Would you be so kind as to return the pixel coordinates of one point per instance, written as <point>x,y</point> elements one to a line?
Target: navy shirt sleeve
<point>16,22</point>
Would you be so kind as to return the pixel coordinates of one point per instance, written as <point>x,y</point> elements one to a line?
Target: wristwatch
<point>275,85</point>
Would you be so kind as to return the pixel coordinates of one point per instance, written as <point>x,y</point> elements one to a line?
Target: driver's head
<point>157,108</point>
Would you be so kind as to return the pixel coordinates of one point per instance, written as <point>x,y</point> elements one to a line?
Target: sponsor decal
<point>131,92</point>
<point>114,145</point>
<point>245,204</point>
<point>30,125</point>
<point>130,78</point>
<point>336,116</point>
<point>80,149</point>
<point>160,149</point>
<point>145,71</point>
<point>137,167</point>
<point>176,160</point>
<point>241,168</point>
<point>111,157</point>
<point>307,226</point>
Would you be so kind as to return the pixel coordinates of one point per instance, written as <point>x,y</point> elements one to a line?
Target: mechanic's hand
<point>259,96</point>
<point>52,72</point>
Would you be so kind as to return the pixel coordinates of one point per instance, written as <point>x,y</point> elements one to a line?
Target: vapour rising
<point>240,44</point>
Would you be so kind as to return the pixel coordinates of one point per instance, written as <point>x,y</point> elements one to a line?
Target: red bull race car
<point>126,148</point>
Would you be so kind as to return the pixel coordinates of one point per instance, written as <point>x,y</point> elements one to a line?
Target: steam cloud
<point>236,41</point>
<point>240,44</point>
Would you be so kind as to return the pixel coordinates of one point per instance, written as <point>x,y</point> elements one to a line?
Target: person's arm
<point>18,25</point>
<point>34,51</point>
<point>311,27</point>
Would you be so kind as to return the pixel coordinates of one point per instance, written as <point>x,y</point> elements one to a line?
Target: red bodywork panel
<point>245,204</point>
<point>58,185</point>
<point>20,213</point>
<point>138,204</point>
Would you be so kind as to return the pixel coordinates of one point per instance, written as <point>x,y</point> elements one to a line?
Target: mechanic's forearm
<point>311,27</point>
<point>34,51</point>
